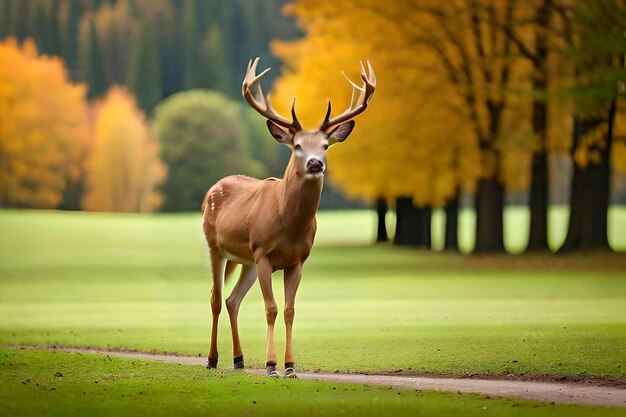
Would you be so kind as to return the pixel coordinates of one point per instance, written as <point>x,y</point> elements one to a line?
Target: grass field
<point>142,282</point>
<point>58,384</point>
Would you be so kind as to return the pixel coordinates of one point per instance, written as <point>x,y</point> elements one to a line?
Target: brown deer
<point>267,225</point>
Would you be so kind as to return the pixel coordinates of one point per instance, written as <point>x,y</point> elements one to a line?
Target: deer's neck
<point>301,198</point>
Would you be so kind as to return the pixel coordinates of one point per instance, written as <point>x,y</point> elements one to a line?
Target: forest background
<point>135,105</point>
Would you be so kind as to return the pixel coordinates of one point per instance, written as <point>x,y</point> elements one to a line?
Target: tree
<point>124,169</point>
<point>93,72</point>
<point>446,111</point>
<point>214,64</point>
<point>186,32</point>
<point>144,76</point>
<point>202,140</point>
<point>69,15</point>
<point>42,26</point>
<point>159,15</point>
<point>5,19</point>
<point>115,30</point>
<point>596,47</point>
<point>530,32</point>
<point>189,47</point>
<point>42,128</point>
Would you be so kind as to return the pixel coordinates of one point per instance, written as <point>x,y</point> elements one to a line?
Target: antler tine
<point>328,110</point>
<point>296,123</point>
<point>372,74</point>
<point>351,82</point>
<point>252,81</point>
<point>358,103</point>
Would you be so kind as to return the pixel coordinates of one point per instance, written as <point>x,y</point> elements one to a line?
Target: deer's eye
<point>298,147</point>
<point>325,146</point>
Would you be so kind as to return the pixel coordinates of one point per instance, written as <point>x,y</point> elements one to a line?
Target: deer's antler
<point>359,101</point>
<point>252,81</point>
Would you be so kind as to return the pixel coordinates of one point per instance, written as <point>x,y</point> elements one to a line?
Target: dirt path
<point>561,393</point>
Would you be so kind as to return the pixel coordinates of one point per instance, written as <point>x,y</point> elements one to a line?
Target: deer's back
<point>229,209</point>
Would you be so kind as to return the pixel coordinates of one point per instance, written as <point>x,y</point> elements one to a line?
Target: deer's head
<point>309,146</point>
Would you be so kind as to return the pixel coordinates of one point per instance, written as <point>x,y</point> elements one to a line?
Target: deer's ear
<point>280,134</point>
<point>341,132</point>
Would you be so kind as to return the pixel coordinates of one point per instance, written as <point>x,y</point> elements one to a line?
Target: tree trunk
<point>452,225</point>
<point>589,202</point>
<point>538,204</point>
<point>595,229</point>
<point>381,210</point>
<point>425,223</point>
<point>412,224</point>
<point>489,216</point>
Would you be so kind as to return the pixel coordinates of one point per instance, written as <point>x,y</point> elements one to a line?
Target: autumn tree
<point>42,129</point>
<point>124,169</point>
<point>450,108</point>
<point>203,138</point>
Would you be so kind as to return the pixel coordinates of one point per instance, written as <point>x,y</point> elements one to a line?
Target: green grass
<point>357,228</point>
<point>137,281</point>
<point>62,384</point>
<point>143,282</point>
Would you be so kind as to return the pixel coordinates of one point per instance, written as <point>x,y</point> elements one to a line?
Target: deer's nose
<point>314,165</point>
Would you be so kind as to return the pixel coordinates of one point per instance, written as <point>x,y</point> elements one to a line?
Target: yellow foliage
<point>42,127</point>
<point>618,157</point>
<point>588,150</point>
<point>419,137</point>
<point>124,168</point>
<point>618,149</point>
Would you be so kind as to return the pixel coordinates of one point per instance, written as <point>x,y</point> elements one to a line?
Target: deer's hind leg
<point>218,266</point>
<point>233,302</point>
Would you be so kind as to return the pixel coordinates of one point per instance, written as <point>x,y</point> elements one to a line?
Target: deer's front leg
<point>264,269</point>
<point>292,280</point>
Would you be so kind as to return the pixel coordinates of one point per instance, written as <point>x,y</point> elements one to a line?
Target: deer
<point>270,225</point>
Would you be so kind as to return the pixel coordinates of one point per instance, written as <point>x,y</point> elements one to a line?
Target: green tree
<point>202,140</point>
<point>41,25</point>
<point>214,64</point>
<point>144,75</point>
<point>70,17</point>
<point>160,16</point>
<point>5,19</point>
<point>93,73</point>
<point>189,47</point>
<point>116,29</point>
<point>596,47</point>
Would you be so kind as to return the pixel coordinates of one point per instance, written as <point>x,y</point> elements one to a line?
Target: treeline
<point>58,149</point>
<point>475,97</point>
<point>154,47</point>
<point>94,106</point>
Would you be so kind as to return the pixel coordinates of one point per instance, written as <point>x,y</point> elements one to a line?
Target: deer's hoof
<point>290,373</point>
<point>272,372</point>
<point>238,363</point>
<point>212,364</point>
